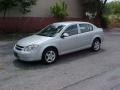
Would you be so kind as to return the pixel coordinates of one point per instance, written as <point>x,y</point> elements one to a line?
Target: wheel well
<point>51,47</point>
<point>98,38</point>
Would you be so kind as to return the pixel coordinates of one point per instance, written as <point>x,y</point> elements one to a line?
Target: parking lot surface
<point>83,70</point>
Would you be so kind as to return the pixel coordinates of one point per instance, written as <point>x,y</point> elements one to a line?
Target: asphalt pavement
<point>82,70</point>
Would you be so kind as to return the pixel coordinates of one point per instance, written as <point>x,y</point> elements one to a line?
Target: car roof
<point>70,22</point>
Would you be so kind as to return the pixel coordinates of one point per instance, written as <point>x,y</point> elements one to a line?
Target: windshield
<point>51,30</point>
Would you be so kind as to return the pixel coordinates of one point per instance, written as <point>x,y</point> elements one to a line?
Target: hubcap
<point>50,56</point>
<point>97,45</point>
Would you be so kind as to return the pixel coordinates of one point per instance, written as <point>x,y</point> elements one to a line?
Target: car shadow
<point>64,59</point>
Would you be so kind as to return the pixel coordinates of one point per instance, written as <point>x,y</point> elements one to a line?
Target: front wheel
<point>96,46</point>
<point>49,56</point>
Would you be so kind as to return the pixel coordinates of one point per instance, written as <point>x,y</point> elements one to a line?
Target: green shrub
<point>105,21</point>
<point>115,20</point>
<point>59,10</point>
<point>112,13</point>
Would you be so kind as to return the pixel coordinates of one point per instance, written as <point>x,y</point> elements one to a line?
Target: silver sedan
<point>58,39</point>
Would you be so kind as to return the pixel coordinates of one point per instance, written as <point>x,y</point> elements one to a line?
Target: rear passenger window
<point>85,28</point>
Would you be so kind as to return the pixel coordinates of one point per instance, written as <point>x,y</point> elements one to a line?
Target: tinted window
<point>85,28</point>
<point>72,30</point>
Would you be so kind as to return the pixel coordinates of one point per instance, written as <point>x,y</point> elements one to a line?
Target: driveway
<point>83,70</point>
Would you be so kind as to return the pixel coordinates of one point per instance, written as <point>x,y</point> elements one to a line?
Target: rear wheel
<point>49,56</point>
<point>96,46</point>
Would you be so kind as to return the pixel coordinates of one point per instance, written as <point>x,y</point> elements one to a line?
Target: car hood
<point>34,39</point>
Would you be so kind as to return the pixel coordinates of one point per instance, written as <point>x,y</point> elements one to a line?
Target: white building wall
<point>42,9</point>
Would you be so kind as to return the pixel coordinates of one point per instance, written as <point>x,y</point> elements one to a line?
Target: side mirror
<point>65,35</point>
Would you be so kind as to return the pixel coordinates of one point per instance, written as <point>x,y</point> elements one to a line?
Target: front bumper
<point>27,56</point>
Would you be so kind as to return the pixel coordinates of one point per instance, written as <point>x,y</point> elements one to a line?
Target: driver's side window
<point>72,30</point>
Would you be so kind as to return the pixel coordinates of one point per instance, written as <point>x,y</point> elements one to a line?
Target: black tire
<point>49,56</point>
<point>96,45</point>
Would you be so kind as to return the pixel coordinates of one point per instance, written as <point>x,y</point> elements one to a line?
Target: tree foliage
<point>22,5</point>
<point>113,8</point>
<point>95,6</point>
<point>6,4</point>
<point>112,13</point>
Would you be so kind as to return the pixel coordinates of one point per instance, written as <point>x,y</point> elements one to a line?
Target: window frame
<point>68,27</point>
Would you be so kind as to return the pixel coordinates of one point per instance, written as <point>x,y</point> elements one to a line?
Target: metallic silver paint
<point>64,45</point>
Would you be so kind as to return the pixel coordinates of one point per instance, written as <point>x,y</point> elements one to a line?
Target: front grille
<point>18,47</point>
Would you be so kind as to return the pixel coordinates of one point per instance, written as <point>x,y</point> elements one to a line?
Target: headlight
<point>31,47</point>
